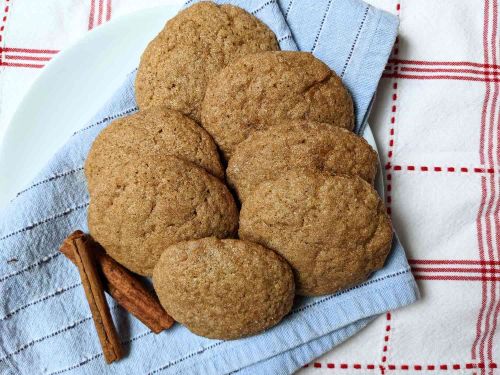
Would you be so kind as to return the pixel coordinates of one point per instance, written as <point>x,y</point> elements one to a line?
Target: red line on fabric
<point>383,366</point>
<point>108,12</point>
<point>91,15</point>
<point>457,278</point>
<point>493,297</point>
<point>492,112</point>
<point>425,168</point>
<point>450,77</point>
<point>471,71</point>
<point>455,269</point>
<point>406,367</point>
<point>496,312</point>
<point>29,50</point>
<point>16,65</point>
<point>390,153</point>
<point>4,20</point>
<point>454,261</point>
<point>30,58</point>
<point>489,246</point>
<point>99,14</point>
<point>489,156</point>
<point>479,231</point>
<point>495,300</point>
<point>445,63</point>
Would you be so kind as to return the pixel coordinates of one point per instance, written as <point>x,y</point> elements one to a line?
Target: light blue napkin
<point>45,322</point>
<point>352,37</point>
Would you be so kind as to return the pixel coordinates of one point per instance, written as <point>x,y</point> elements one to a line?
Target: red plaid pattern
<point>437,124</point>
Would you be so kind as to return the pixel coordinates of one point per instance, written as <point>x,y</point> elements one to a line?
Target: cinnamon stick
<point>126,288</point>
<point>94,291</point>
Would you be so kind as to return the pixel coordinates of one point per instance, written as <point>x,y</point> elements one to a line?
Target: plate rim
<point>16,133</point>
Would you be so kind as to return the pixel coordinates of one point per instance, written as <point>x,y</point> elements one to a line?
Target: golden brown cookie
<point>257,90</point>
<point>333,230</point>
<point>224,289</point>
<point>192,48</point>
<point>293,144</point>
<point>157,130</point>
<point>153,202</point>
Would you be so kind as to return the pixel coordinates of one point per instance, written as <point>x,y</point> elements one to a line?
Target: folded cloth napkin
<point>44,319</point>
<point>352,37</point>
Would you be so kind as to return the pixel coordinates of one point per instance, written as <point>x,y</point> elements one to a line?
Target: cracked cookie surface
<point>194,46</point>
<point>299,144</point>
<point>153,202</point>
<point>255,91</point>
<point>224,289</point>
<point>333,230</point>
<point>156,130</point>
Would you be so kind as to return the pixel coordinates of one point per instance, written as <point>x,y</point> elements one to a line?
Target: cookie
<point>157,130</point>
<point>257,90</point>
<point>153,202</point>
<point>194,46</point>
<point>224,289</point>
<point>299,144</point>
<point>333,230</point>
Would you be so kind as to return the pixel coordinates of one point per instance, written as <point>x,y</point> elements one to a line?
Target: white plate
<point>71,89</point>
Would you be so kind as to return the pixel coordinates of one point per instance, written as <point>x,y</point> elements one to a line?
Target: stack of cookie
<point>310,221</point>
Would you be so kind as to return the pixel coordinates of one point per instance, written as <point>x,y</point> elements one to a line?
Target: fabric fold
<point>352,37</point>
